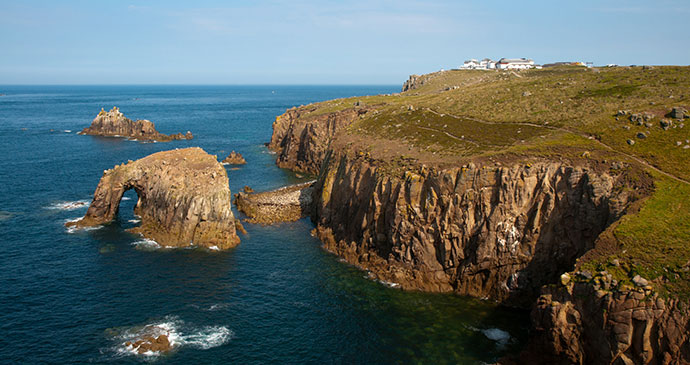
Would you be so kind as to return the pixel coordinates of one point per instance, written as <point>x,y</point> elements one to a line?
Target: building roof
<point>515,60</point>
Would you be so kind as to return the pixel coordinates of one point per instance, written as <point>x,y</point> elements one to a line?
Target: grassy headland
<point>564,113</point>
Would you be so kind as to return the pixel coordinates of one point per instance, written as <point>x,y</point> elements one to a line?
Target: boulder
<point>184,199</point>
<point>641,135</point>
<point>640,281</point>
<point>679,113</point>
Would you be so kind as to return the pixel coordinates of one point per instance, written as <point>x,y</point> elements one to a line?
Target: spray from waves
<point>146,244</point>
<point>125,340</point>
<point>75,229</point>
<point>67,205</point>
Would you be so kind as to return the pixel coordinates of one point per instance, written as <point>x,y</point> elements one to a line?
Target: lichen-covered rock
<point>234,158</point>
<point>184,199</point>
<point>114,124</point>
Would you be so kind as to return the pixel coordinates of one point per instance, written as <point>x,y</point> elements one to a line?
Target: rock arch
<point>184,199</point>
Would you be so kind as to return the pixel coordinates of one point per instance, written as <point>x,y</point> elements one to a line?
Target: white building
<point>473,64</point>
<point>515,64</point>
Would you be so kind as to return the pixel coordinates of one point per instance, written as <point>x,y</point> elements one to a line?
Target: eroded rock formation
<point>184,199</point>
<point>234,158</point>
<point>114,124</point>
<point>497,232</point>
<point>579,324</point>
<point>301,140</point>
<point>282,205</point>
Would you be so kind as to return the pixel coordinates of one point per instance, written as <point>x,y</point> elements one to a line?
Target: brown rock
<point>234,158</point>
<point>282,205</point>
<point>114,124</point>
<point>184,199</point>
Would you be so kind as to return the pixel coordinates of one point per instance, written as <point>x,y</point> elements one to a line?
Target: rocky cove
<point>504,231</point>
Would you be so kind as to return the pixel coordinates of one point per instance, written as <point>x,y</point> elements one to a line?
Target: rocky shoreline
<point>502,232</point>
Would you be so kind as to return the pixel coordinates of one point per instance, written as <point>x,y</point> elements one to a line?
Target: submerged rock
<point>184,199</point>
<point>234,158</point>
<point>114,124</point>
<point>150,344</point>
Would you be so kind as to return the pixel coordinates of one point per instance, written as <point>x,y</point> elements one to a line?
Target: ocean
<point>76,296</point>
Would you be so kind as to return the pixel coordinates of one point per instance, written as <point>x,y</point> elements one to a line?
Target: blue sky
<point>321,42</point>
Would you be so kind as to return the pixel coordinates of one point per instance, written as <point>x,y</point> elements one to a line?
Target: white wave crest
<point>389,284</point>
<point>75,229</point>
<point>66,205</point>
<point>126,198</point>
<point>67,131</point>
<point>136,220</point>
<point>178,332</point>
<point>146,244</point>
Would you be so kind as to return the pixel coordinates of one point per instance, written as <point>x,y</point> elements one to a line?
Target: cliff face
<point>301,140</point>
<point>114,123</point>
<point>184,199</point>
<point>579,324</point>
<point>497,232</point>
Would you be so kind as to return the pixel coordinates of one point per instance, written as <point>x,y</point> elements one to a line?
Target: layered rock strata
<point>114,124</point>
<point>497,232</point>
<point>282,205</point>
<point>184,199</point>
<point>301,140</point>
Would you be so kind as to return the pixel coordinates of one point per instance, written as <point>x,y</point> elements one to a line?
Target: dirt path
<point>581,134</point>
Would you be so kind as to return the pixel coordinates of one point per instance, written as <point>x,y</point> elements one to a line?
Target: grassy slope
<point>557,113</point>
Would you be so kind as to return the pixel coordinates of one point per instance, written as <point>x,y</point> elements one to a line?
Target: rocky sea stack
<point>184,199</point>
<point>234,158</point>
<point>114,124</point>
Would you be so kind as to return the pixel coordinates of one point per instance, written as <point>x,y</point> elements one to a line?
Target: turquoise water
<point>68,297</point>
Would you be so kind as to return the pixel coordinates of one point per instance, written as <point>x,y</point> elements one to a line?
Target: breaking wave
<point>75,229</point>
<point>179,334</point>
<point>73,205</point>
<point>146,244</point>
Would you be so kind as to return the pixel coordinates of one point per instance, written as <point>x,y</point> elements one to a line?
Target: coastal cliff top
<point>600,117</point>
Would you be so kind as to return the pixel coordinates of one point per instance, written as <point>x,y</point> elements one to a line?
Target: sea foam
<point>179,333</point>
<point>69,205</point>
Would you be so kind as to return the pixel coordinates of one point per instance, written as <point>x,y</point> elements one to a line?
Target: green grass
<point>575,108</point>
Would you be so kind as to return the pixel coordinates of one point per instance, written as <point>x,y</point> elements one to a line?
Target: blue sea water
<point>76,297</point>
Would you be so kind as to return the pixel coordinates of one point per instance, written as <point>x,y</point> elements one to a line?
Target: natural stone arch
<point>184,199</point>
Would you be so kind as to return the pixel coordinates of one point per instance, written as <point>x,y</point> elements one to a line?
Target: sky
<point>321,42</point>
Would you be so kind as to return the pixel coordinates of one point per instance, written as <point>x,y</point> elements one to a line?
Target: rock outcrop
<point>577,323</point>
<point>184,199</point>
<point>497,232</point>
<point>282,205</point>
<point>301,140</point>
<point>234,158</point>
<point>114,124</point>
<point>414,82</point>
